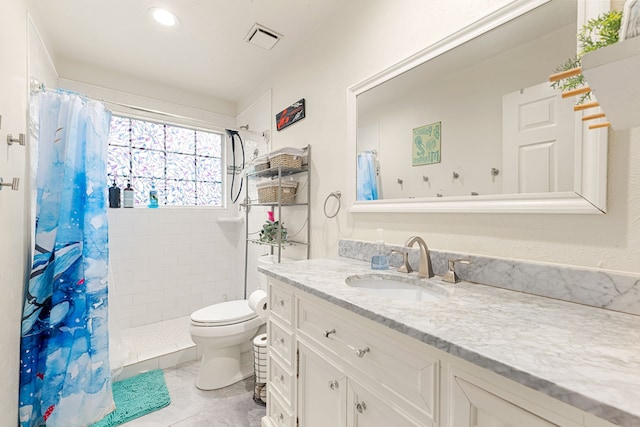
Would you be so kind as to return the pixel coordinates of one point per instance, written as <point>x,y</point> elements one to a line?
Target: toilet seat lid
<point>225,313</point>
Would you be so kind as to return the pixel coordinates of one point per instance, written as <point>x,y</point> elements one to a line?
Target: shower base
<point>157,346</point>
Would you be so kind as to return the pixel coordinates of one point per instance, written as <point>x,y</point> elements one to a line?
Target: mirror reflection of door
<point>538,141</point>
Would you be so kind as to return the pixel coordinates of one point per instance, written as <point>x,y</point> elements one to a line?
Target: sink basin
<point>398,288</point>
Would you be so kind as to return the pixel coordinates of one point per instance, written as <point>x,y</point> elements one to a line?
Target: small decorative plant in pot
<point>596,33</point>
<point>269,232</point>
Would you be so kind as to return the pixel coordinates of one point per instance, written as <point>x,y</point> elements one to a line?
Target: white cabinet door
<point>368,410</point>
<point>322,391</point>
<point>472,406</point>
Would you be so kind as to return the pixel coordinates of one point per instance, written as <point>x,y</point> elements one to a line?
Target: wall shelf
<point>230,220</point>
<point>613,73</point>
<point>277,174</point>
<point>273,172</point>
<point>275,244</point>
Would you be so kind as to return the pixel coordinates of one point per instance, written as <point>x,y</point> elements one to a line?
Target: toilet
<point>224,332</point>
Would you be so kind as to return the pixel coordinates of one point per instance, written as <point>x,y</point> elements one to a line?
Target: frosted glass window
<point>147,135</point>
<point>119,134</point>
<point>209,193</point>
<point>181,192</point>
<point>184,164</point>
<point>209,170</point>
<point>119,164</point>
<point>208,144</point>
<point>181,140</point>
<point>147,163</point>
<point>181,166</point>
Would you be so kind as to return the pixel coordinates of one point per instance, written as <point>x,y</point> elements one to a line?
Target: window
<point>185,164</point>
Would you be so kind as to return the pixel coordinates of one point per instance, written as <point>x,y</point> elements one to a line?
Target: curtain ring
<point>337,195</point>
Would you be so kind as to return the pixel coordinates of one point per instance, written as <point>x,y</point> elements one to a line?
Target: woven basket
<point>261,163</point>
<point>261,166</point>
<point>286,161</point>
<point>269,194</point>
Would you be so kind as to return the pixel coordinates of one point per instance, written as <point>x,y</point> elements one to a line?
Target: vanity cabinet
<point>327,369</point>
<point>327,396</point>
<point>476,405</point>
<point>330,367</point>
<point>322,390</point>
<point>281,359</point>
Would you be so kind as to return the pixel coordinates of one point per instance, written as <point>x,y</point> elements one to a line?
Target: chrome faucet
<point>405,267</point>
<point>424,269</point>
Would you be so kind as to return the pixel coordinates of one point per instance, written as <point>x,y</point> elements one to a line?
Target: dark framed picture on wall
<point>293,113</point>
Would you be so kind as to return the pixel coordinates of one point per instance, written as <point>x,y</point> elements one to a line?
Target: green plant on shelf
<point>596,33</point>
<point>269,232</point>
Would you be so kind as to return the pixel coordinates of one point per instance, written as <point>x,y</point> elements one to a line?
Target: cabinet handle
<point>327,333</point>
<point>333,385</point>
<point>281,341</point>
<point>281,378</point>
<point>282,303</point>
<point>360,352</point>
<point>280,417</point>
<point>361,407</point>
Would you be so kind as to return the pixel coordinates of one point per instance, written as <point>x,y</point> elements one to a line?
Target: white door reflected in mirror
<point>538,141</point>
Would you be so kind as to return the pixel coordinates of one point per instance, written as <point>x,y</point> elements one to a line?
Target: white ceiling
<point>206,54</point>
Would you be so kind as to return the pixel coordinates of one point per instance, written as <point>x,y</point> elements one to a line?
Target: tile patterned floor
<point>231,406</point>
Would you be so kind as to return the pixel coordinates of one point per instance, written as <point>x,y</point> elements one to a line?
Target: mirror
<point>471,124</point>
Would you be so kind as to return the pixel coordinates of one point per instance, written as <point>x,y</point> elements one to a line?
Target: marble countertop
<point>584,356</point>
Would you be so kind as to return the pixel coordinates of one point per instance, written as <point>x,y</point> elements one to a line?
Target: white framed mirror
<point>506,141</point>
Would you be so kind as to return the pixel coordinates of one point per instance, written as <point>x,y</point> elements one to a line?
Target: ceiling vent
<point>262,37</point>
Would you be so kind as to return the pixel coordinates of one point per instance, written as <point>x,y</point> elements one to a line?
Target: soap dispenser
<point>380,261</point>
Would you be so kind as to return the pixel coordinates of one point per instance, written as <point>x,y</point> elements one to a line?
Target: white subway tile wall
<point>168,262</point>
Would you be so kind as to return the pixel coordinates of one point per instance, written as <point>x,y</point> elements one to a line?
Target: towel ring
<point>337,195</point>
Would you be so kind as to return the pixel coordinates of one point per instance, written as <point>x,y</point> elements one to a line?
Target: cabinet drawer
<point>281,304</point>
<point>278,413</point>
<point>368,409</point>
<point>281,380</point>
<point>392,364</point>
<point>281,342</point>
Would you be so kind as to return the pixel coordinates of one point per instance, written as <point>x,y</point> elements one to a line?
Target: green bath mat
<point>135,397</point>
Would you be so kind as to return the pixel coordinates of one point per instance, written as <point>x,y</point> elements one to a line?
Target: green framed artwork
<point>426,144</point>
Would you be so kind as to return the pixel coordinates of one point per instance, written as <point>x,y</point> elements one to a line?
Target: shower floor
<point>157,346</point>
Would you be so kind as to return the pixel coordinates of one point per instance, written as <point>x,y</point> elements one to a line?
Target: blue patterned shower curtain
<point>65,380</point>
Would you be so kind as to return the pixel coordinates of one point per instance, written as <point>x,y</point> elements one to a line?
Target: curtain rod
<point>38,86</point>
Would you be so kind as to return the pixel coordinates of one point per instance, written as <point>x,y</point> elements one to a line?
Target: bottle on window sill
<point>114,195</point>
<point>127,201</point>
<point>153,196</point>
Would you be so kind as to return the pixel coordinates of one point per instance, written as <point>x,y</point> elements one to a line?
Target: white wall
<point>371,35</point>
<point>169,262</point>
<point>258,117</point>
<point>13,231</point>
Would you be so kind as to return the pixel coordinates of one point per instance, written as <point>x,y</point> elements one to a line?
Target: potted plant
<point>596,33</point>
<point>269,232</point>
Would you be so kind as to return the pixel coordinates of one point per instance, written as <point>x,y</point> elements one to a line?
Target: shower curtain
<point>64,368</point>
<point>366,179</point>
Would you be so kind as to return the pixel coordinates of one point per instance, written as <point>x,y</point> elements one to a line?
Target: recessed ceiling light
<point>164,17</point>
